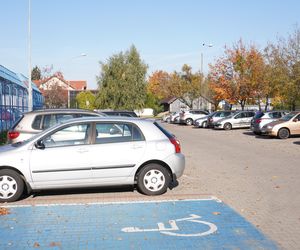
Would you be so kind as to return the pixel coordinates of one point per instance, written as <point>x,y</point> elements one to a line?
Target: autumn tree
<point>238,77</point>
<point>284,63</point>
<point>160,85</point>
<point>55,97</point>
<point>186,85</point>
<point>122,82</point>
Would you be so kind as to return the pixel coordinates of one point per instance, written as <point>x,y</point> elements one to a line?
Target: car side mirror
<point>296,120</point>
<point>39,144</point>
<point>114,131</point>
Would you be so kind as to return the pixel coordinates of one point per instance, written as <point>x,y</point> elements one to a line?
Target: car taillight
<point>176,144</point>
<point>258,121</point>
<point>13,134</point>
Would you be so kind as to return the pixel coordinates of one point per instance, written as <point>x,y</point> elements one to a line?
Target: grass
<point>3,137</point>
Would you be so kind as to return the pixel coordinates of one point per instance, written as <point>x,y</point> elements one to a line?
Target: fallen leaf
<point>4,211</point>
<point>216,213</point>
<point>36,245</point>
<point>55,244</point>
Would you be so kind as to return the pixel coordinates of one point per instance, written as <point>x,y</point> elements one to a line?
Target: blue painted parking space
<point>180,224</point>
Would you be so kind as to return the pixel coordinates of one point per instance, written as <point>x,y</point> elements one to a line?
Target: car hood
<point>7,148</point>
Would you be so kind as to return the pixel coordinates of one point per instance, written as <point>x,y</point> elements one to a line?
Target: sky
<point>167,33</point>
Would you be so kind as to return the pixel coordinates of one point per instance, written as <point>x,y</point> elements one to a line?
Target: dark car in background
<point>124,113</point>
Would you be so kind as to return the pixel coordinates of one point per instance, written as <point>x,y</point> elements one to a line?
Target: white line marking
<point>212,198</point>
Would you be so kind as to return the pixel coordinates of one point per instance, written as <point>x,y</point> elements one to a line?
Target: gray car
<point>34,122</point>
<point>262,118</point>
<point>240,119</point>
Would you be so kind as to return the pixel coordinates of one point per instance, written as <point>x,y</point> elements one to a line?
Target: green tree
<point>36,73</point>
<point>153,102</point>
<point>86,100</point>
<point>122,82</point>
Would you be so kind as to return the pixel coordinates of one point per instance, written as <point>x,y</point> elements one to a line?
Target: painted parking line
<point>176,224</point>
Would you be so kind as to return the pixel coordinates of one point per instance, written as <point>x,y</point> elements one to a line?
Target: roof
<point>78,85</point>
<point>15,78</point>
<point>74,84</point>
<point>10,75</point>
<point>168,100</point>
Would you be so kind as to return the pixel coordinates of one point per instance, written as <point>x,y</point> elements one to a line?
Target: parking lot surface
<point>257,177</point>
<point>185,224</point>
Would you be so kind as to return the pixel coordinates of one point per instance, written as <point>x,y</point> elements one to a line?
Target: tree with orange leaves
<point>238,77</point>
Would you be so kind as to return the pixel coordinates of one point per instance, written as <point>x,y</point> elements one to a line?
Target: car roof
<point>57,111</point>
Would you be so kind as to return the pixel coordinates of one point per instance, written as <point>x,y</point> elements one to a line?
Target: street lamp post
<point>204,45</point>
<point>29,58</point>
<point>69,99</point>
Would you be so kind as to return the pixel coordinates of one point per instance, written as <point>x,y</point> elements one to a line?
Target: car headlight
<point>269,127</point>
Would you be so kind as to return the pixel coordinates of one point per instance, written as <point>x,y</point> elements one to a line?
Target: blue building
<point>14,97</point>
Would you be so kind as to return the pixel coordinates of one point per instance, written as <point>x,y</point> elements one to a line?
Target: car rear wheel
<point>11,185</point>
<point>227,126</point>
<point>153,179</point>
<point>189,121</point>
<point>204,124</point>
<point>283,133</point>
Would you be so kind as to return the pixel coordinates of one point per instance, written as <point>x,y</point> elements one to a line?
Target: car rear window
<point>162,129</point>
<point>17,122</point>
<point>259,115</point>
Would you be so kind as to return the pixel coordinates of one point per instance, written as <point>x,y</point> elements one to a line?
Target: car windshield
<point>288,117</point>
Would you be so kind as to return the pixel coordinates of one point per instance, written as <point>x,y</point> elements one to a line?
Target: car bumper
<point>177,164</point>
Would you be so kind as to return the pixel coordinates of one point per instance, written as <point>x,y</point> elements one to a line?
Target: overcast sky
<point>167,33</point>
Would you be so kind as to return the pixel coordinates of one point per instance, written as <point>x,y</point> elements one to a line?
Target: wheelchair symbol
<point>212,228</point>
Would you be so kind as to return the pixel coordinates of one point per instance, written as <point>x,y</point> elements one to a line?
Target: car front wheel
<point>283,133</point>
<point>153,179</point>
<point>189,121</point>
<point>11,185</point>
<point>204,124</point>
<point>227,126</point>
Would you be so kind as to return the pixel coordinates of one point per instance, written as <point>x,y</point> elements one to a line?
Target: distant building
<point>14,97</point>
<point>71,88</point>
<point>174,104</point>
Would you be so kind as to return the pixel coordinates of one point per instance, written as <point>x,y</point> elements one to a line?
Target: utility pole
<point>29,58</point>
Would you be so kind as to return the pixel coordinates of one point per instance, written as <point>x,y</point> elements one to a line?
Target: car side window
<point>68,136</point>
<point>37,122</point>
<point>240,115</point>
<point>49,121</point>
<point>117,132</point>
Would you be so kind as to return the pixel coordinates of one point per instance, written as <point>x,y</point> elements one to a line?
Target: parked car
<point>188,117</point>
<point>202,122</point>
<point>174,118</point>
<point>284,127</point>
<point>90,152</point>
<point>167,117</point>
<point>34,122</point>
<point>218,115</point>
<point>125,113</point>
<point>240,119</point>
<point>262,118</point>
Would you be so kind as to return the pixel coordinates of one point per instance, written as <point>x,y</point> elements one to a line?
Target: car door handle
<point>136,146</point>
<point>82,150</point>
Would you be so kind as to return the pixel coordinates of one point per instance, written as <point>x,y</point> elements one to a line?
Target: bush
<point>3,137</point>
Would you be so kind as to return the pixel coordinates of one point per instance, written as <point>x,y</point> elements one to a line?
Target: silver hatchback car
<point>34,122</point>
<point>92,151</point>
<point>240,119</point>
